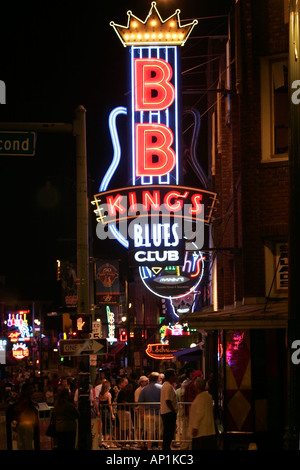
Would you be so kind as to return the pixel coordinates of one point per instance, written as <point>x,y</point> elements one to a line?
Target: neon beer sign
<point>154,217</point>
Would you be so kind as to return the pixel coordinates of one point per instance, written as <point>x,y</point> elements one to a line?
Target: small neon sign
<point>111,325</point>
<point>20,351</point>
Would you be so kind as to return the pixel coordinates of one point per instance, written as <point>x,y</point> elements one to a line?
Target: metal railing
<point>126,425</point>
<point>137,425</point>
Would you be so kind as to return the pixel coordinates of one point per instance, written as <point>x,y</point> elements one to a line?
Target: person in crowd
<point>26,417</point>
<point>143,381</point>
<point>49,395</point>
<point>121,383</point>
<point>161,378</point>
<point>132,379</point>
<point>168,408</point>
<point>38,395</point>
<point>106,411</point>
<point>189,374</point>
<point>66,417</point>
<point>201,419</point>
<point>139,431</point>
<point>94,402</point>
<point>63,384</point>
<point>55,382</point>
<point>94,393</point>
<point>150,413</point>
<point>191,390</point>
<point>180,415</point>
<point>126,394</point>
<point>125,414</point>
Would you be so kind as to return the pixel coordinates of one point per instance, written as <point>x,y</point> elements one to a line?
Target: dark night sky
<point>55,56</point>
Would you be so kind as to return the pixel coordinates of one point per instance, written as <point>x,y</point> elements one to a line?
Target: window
<point>274,109</point>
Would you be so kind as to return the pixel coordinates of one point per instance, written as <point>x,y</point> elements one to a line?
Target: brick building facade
<point>247,320</point>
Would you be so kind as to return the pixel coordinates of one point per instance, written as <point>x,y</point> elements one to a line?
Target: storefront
<point>245,352</point>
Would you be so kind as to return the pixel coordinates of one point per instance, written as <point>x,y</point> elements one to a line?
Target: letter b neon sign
<point>154,155</point>
<point>153,90</point>
<point>154,94</point>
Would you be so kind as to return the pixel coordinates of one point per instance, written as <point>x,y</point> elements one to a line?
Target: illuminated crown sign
<point>159,221</point>
<point>153,30</point>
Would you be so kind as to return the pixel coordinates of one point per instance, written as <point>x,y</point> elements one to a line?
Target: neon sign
<point>20,351</point>
<point>17,318</point>
<point>156,218</point>
<point>160,351</point>
<point>17,321</point>
<point>111,325</point>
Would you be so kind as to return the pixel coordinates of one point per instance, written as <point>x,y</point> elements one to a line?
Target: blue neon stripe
<point>116,146</point>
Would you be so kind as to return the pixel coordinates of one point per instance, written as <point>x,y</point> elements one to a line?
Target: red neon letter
<point>154,155</point>
<point>132,202</point>
<point>115,204</point>
<point>196,200</point>
<point>153,90</point>
<point>173,195</point>
<point>151,199</point>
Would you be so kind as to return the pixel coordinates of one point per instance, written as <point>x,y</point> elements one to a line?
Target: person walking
<point>168,408</point>
<point>66,416</point>
<point>201,419</point>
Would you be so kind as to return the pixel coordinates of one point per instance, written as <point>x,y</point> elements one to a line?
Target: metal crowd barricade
<point>139,425</point>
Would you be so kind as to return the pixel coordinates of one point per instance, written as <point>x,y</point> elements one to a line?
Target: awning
<point>118,348</point>
<point>273,314</point>
<point>190,354</point>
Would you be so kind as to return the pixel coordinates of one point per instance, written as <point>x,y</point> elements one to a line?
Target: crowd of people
<point>156,395</point>
<point>162,394</point>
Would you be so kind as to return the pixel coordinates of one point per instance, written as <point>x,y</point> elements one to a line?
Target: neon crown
<point>153,30</point>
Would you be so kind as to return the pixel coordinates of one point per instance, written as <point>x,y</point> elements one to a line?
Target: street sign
<point>17,143</point>
<point>96,330</point>
<point>82,347</point>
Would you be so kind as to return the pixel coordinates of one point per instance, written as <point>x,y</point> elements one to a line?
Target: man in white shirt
<point>168,408</point>
<point>201,419</point>
<point>143,381</point>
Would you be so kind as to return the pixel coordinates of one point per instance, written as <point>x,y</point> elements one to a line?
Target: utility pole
<point>291,438</point>
<point>83,284</point>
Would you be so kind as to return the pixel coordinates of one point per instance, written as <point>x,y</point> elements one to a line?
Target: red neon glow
<point>20,351</point>
<point>178,204</point>
<point>115,203</point>
<point>159,351</point>
<point>132,201</point>
<point>196,201</point>
<point>125,202</point>
<point>198,264</point>
<point>151,199</point>
<point>14,336</point>
<point>153,142</point>
<point>153,90</point>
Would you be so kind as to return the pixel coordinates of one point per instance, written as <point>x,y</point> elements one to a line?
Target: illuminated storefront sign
<point>156,218</point>
<point>160,351</point>
<point>20,351</point>
<point>111,325</point>
<point>181,283</point>
<point>18,323</point>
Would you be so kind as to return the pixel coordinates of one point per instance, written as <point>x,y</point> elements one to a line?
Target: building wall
<point>253,192</point>
<point>252,215</point>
